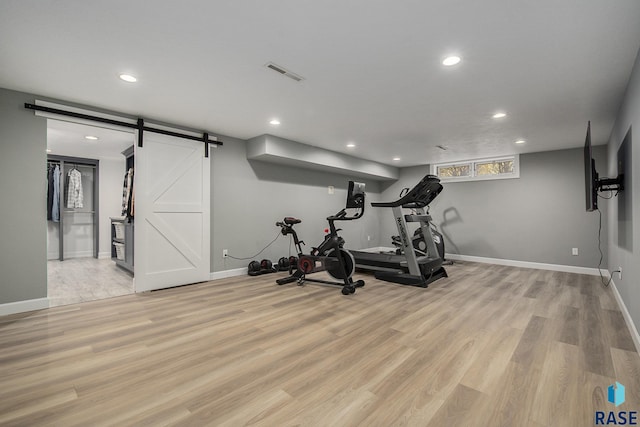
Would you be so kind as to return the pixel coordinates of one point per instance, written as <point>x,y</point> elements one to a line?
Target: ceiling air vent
<point>284,71</point>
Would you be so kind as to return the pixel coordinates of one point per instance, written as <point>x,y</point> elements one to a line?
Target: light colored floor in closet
<point>86,279</point>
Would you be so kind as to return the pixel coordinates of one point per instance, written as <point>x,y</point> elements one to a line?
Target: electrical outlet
<point>368,238</point>
<point>225,253</point>
<point>574,251</point>
<point>331,189</point>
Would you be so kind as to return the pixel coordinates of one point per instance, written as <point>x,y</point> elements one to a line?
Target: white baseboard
<point>215,275</point>
<point>23,306</point>
<point>104,255</point>
<point>627,317</point>
<point>527,264</point>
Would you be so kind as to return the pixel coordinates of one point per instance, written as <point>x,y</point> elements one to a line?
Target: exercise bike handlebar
<point>342,215</point>
<point>355,200</point>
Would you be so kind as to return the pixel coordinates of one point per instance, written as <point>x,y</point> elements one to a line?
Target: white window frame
<point>472,163</point>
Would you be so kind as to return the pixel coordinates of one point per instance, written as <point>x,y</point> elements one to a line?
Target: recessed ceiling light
<point>351,145</point>
<point>275,122</point>
<point>451,60</point>
<point>499,115</point>
<point>520,141</point>
<point>128,78</point>
<point>91,137</point>
<point>396,159</point>
<point>48,150</point>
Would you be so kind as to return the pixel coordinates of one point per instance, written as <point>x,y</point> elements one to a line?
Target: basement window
<point>478,169</point>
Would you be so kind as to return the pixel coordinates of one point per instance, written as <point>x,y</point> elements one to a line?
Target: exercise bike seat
<point>289,220</point>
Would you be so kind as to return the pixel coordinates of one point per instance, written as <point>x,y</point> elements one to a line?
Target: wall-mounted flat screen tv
<point>590,174</point>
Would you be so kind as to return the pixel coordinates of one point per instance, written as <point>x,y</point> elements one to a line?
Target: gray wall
<point>538,217</point>
<point>624,213</point>
<point>23,159</point>
<point>248,197</point>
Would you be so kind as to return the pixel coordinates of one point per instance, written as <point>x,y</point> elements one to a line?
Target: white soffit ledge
<point>269,148</point>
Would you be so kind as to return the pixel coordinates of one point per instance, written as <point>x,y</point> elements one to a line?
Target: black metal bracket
<point>140,132</point>
<point>611,184</point>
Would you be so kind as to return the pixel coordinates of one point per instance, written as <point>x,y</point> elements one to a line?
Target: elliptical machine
<point>330,255</point>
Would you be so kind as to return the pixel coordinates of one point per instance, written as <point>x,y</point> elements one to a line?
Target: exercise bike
<point>330,255</point>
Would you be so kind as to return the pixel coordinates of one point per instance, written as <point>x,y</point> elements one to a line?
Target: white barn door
<point>172,218</point>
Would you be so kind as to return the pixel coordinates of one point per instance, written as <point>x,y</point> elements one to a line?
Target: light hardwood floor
<point>488,346</point>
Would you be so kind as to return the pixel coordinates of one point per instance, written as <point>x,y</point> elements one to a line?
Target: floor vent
<point>284,71</point>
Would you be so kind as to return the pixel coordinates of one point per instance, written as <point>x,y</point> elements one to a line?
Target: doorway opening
<point>88,191</point>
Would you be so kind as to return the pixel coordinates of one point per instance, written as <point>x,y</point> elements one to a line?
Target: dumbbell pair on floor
<point>265,266</point>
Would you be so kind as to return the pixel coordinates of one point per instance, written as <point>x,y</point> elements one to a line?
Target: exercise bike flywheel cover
<point>306,264</point>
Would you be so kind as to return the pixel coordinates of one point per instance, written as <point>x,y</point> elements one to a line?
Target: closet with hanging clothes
<point>122,227</point>
<point>72,207</point>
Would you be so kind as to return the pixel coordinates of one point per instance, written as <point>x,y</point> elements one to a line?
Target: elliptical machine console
<point>330,255</point>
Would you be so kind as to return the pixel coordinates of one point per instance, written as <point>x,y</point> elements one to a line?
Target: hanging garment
<point>74,195</point>
<point>125,194</point>
<point>127,191</point>
<point>132,192</point>
<point>133,199</point>
<point>55,205</point>
<point>49,191</point>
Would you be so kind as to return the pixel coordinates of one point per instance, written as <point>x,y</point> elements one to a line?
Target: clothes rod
<point>71,163</point>
<point>139,125</point>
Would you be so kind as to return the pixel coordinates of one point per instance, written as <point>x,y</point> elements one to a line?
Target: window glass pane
<point>454,170</point>
<point>494,167</point>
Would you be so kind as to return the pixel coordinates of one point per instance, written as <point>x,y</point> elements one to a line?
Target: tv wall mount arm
<point>611,184</point>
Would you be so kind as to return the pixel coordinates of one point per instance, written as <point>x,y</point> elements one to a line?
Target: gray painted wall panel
<point>624,218</point>
<point>23,159</point>
<point>538,217</point>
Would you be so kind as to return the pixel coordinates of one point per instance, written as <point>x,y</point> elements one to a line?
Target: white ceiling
<point>372,68</point>
<point>68,139</point>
